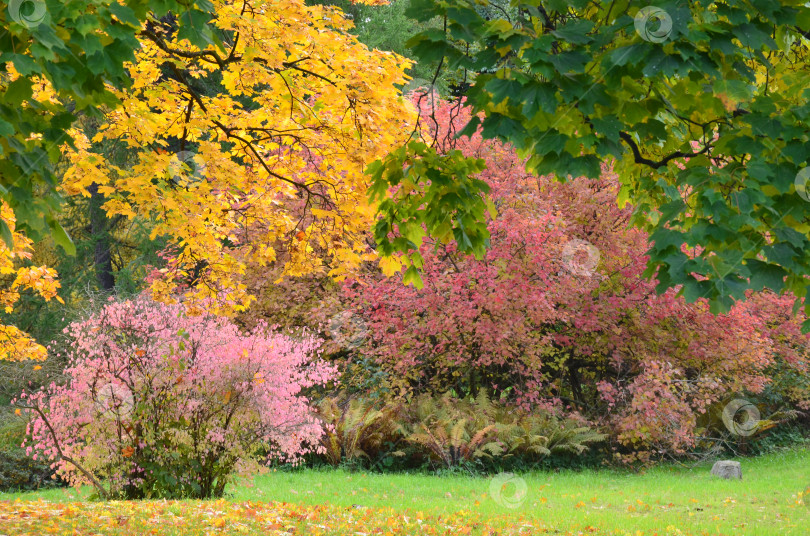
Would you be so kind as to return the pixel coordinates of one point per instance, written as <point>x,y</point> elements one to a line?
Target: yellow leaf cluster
<point>251,154</point>
<point>15,345</point>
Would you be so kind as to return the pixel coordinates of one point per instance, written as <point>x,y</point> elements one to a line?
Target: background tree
<point>388,27</point>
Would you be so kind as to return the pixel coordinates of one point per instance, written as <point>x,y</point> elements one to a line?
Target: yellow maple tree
<point>252,150</point>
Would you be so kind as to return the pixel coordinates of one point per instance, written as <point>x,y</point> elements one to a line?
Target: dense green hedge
<point>17,470</point>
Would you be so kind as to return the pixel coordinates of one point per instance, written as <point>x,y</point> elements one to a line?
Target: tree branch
<point>96,484</point>
<point>657,164</point>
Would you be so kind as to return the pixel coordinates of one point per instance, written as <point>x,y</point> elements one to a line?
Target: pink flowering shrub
<point>159,403</point>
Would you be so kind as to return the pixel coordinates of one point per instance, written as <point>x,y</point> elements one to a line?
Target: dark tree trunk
<point>99,229</point>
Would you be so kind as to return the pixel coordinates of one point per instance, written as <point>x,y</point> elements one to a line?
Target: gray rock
<point>727,469</point>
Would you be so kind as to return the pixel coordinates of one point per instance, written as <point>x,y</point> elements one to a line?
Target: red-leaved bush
<point>559,314</point>
<point>160,403</point>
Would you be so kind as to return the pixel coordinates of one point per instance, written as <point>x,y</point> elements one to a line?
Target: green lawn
<point>664,500</point>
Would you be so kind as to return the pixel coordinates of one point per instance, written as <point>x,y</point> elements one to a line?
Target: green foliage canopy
<point>701,107</point>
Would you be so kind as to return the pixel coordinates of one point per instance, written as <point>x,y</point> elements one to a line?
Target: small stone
<point>727,469</point>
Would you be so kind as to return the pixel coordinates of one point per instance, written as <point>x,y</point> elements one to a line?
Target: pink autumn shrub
<point>162,404</point>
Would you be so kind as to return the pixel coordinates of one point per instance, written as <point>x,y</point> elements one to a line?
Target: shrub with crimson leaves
<point>560,314</point>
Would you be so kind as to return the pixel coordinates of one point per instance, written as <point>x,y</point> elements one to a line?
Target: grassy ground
<point>770,500</point>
